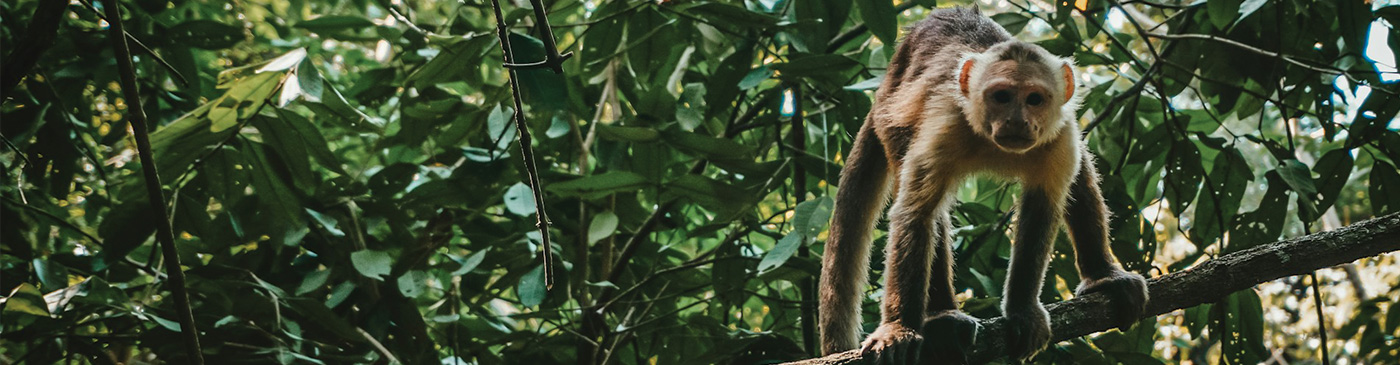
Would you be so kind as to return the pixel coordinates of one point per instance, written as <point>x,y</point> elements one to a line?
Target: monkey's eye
<point>1034,99</point>
<point>1002,96</point>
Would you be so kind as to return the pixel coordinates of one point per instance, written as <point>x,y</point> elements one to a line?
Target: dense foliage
<point>346,185</point>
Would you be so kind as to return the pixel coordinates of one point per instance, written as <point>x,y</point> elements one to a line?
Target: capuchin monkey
<point>961,97</point>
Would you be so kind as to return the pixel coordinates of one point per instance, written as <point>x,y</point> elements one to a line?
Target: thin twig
<point>526,150</point>
<point>164,232</point>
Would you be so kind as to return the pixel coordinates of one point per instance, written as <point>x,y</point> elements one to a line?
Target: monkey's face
<point>1019,108</point>
<point>1015,95</point>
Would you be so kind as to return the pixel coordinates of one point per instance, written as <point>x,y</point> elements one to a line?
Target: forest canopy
<point>346,183</point>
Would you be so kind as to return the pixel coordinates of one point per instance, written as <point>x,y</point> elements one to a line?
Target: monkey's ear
<point>965,75</point>
<point>1068,74</point>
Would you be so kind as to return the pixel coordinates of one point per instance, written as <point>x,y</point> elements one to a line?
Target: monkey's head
<point>1017,94</point>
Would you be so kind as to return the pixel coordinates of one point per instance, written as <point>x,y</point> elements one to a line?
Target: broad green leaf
<point>597,186</point>
<point>471,262</point>
<point>1298,177</point>
<point>812,216</point>
<point>455,61</point>
<point>51,274</point>
<point>1223,12</point>
<point>372,263</point>
<point>706,146</point>
<point>26,299</point>
<point>603,226</point>
<point>531,288</point>
<point>313,281</point>
<point>879,17</point>
<point>1333,171</point>
<point>781,252</point>
<point>1385,188</point>
<point>413,283</point>
<point>520,200</point>
<point>754,77</point>
<point>501,126</point>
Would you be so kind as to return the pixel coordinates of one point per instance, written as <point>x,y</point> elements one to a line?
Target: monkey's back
<point>926,61</point>
<point>936,43</point>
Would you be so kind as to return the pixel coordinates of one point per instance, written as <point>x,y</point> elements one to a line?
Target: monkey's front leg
<point>908,260</point>
<point>1028,324</point>
<point>1087,219</point>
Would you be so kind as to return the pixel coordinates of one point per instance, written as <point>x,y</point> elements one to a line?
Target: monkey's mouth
<point>1014,141</point>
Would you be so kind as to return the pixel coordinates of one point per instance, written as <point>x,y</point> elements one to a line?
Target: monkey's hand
<point>950,335</point>
<point>1128,292</point>
<point>1027,331</point>
<point>892,343</point>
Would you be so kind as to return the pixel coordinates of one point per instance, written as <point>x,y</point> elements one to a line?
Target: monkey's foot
<point>1027,331</point>
<point>949,335</point>
<point>1128,292</point>
<point>892,343</point>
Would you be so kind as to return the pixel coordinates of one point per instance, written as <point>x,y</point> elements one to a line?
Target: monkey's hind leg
<point>846,262</point>
<point>1087,219</point>
<point>949,334</point>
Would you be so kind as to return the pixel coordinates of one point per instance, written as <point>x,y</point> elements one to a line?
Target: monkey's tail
<point>862,194</point>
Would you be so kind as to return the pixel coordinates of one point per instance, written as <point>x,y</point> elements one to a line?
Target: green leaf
<point>1385,188</point>
<point>471,262</point>
<point>542,88</point>
<point>812,216</point>
<point>814,65</point>
<point>1013,22</point>
<point>1298,177</point>
<point>413,283</point>
<point>706,146</point>
<point>1333,171</point>
<point>51,274</point>
<point>1223,12</point>
<point>867,84</point>
<point>781,252</point>
<point>313,281</point>
<point>603,226</point>
<point>501,127</point>
<point>628,134</point>
<point>326,222</point>
<point>755,77</point>
<point>455,62</point>
<point>531,288</point>
<point>1239,321</point>
<point>205,34</point>
<point>879,17</point>
<point>26,299</point>
<point>597,186</point>
<point>520,200</point>
<point>558,127</point>
<point>372,264</point>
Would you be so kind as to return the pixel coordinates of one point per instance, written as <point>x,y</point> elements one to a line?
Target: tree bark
<point>1203,283</point>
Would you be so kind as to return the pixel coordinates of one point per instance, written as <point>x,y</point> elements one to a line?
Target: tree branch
<point>1203,283</point>
<point>165,234</point>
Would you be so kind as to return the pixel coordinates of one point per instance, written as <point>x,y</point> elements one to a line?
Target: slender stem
<point>526,150</point>
<point>165,234</point>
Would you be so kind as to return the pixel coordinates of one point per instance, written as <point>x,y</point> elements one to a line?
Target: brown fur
<point>961,98</point>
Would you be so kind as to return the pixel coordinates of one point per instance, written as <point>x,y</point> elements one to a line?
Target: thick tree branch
<point>1203,283</point>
